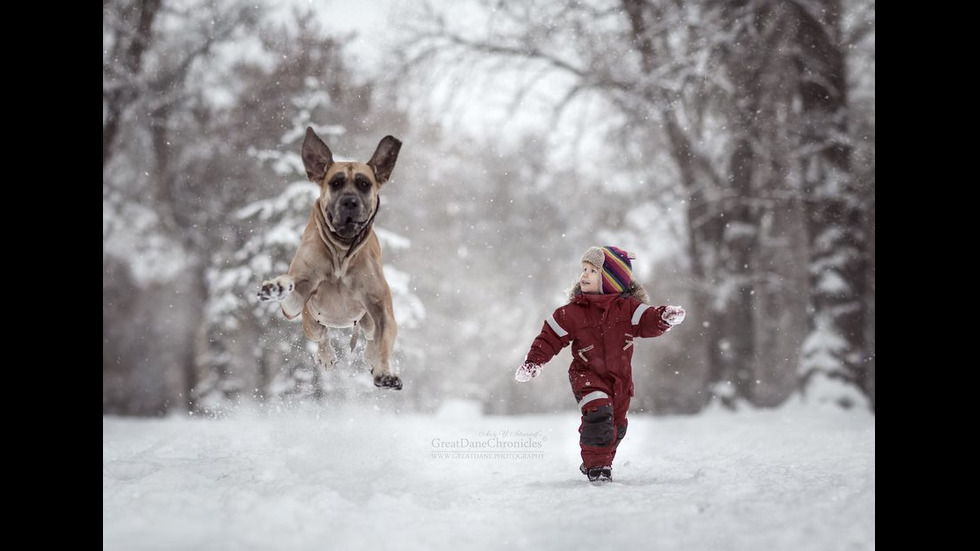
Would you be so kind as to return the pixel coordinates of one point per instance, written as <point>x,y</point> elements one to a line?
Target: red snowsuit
<point>601,329</point>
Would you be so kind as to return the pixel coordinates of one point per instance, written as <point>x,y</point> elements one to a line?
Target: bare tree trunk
<point>163,176</point>
<point>835,348</point>
<point>195,286</point>
<point>129,49</point>
<point>705,229</point>
<point>870,298</point>
<point>780,298</point>
<point>704,236</point>
<point>780,302</point>
<point>740,242</point>
<point>196,329</point>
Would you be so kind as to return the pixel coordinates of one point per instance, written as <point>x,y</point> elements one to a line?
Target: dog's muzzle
<point>348,217</point>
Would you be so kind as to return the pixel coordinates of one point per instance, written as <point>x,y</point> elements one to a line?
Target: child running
<point>607,309</point>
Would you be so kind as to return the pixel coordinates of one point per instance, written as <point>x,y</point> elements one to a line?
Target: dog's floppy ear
<point>383,160</point>
<point>317,157</point>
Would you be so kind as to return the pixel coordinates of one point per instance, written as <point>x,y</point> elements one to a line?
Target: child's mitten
<point>527,372</point>
<point>673,315</point>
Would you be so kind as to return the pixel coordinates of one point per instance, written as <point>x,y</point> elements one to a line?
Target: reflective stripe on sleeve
<point>555,327</point>
<point>638,313</point>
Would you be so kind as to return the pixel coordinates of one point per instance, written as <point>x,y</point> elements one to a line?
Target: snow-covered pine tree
<point>249,342</point>
<point>834,366</point>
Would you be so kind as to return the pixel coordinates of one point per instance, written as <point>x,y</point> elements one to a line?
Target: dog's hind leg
<point>325,356</point>
<point>380,329</point>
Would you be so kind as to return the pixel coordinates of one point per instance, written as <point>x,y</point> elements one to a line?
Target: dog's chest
<point>335,305</point>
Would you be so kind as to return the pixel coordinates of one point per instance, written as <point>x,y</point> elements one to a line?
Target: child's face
<point>589,280</point>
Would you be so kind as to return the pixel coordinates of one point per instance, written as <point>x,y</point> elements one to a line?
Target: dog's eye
<point>363,183</point>
<point>336,183</point>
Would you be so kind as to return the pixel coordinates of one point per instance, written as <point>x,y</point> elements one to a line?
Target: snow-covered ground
<point>796,478</point>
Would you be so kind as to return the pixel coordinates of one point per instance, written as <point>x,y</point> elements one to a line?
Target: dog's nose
<point>349,203</point>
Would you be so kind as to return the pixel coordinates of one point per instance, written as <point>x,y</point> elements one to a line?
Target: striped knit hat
<point>617,270</point>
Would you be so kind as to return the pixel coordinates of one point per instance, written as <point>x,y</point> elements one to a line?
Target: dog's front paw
<point>393,382</point>
<point>276,289</point>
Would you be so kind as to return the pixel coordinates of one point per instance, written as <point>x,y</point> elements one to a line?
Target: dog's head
<point>348,190</point>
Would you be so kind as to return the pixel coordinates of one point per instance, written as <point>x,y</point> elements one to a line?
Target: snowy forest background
<point>729,144</point>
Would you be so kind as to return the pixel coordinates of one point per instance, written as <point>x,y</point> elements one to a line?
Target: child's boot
<point>597,474</point>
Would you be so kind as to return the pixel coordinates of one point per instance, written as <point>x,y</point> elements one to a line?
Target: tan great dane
<point>336,277</point>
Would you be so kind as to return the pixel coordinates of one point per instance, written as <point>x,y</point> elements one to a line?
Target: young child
<point>606,311</point>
